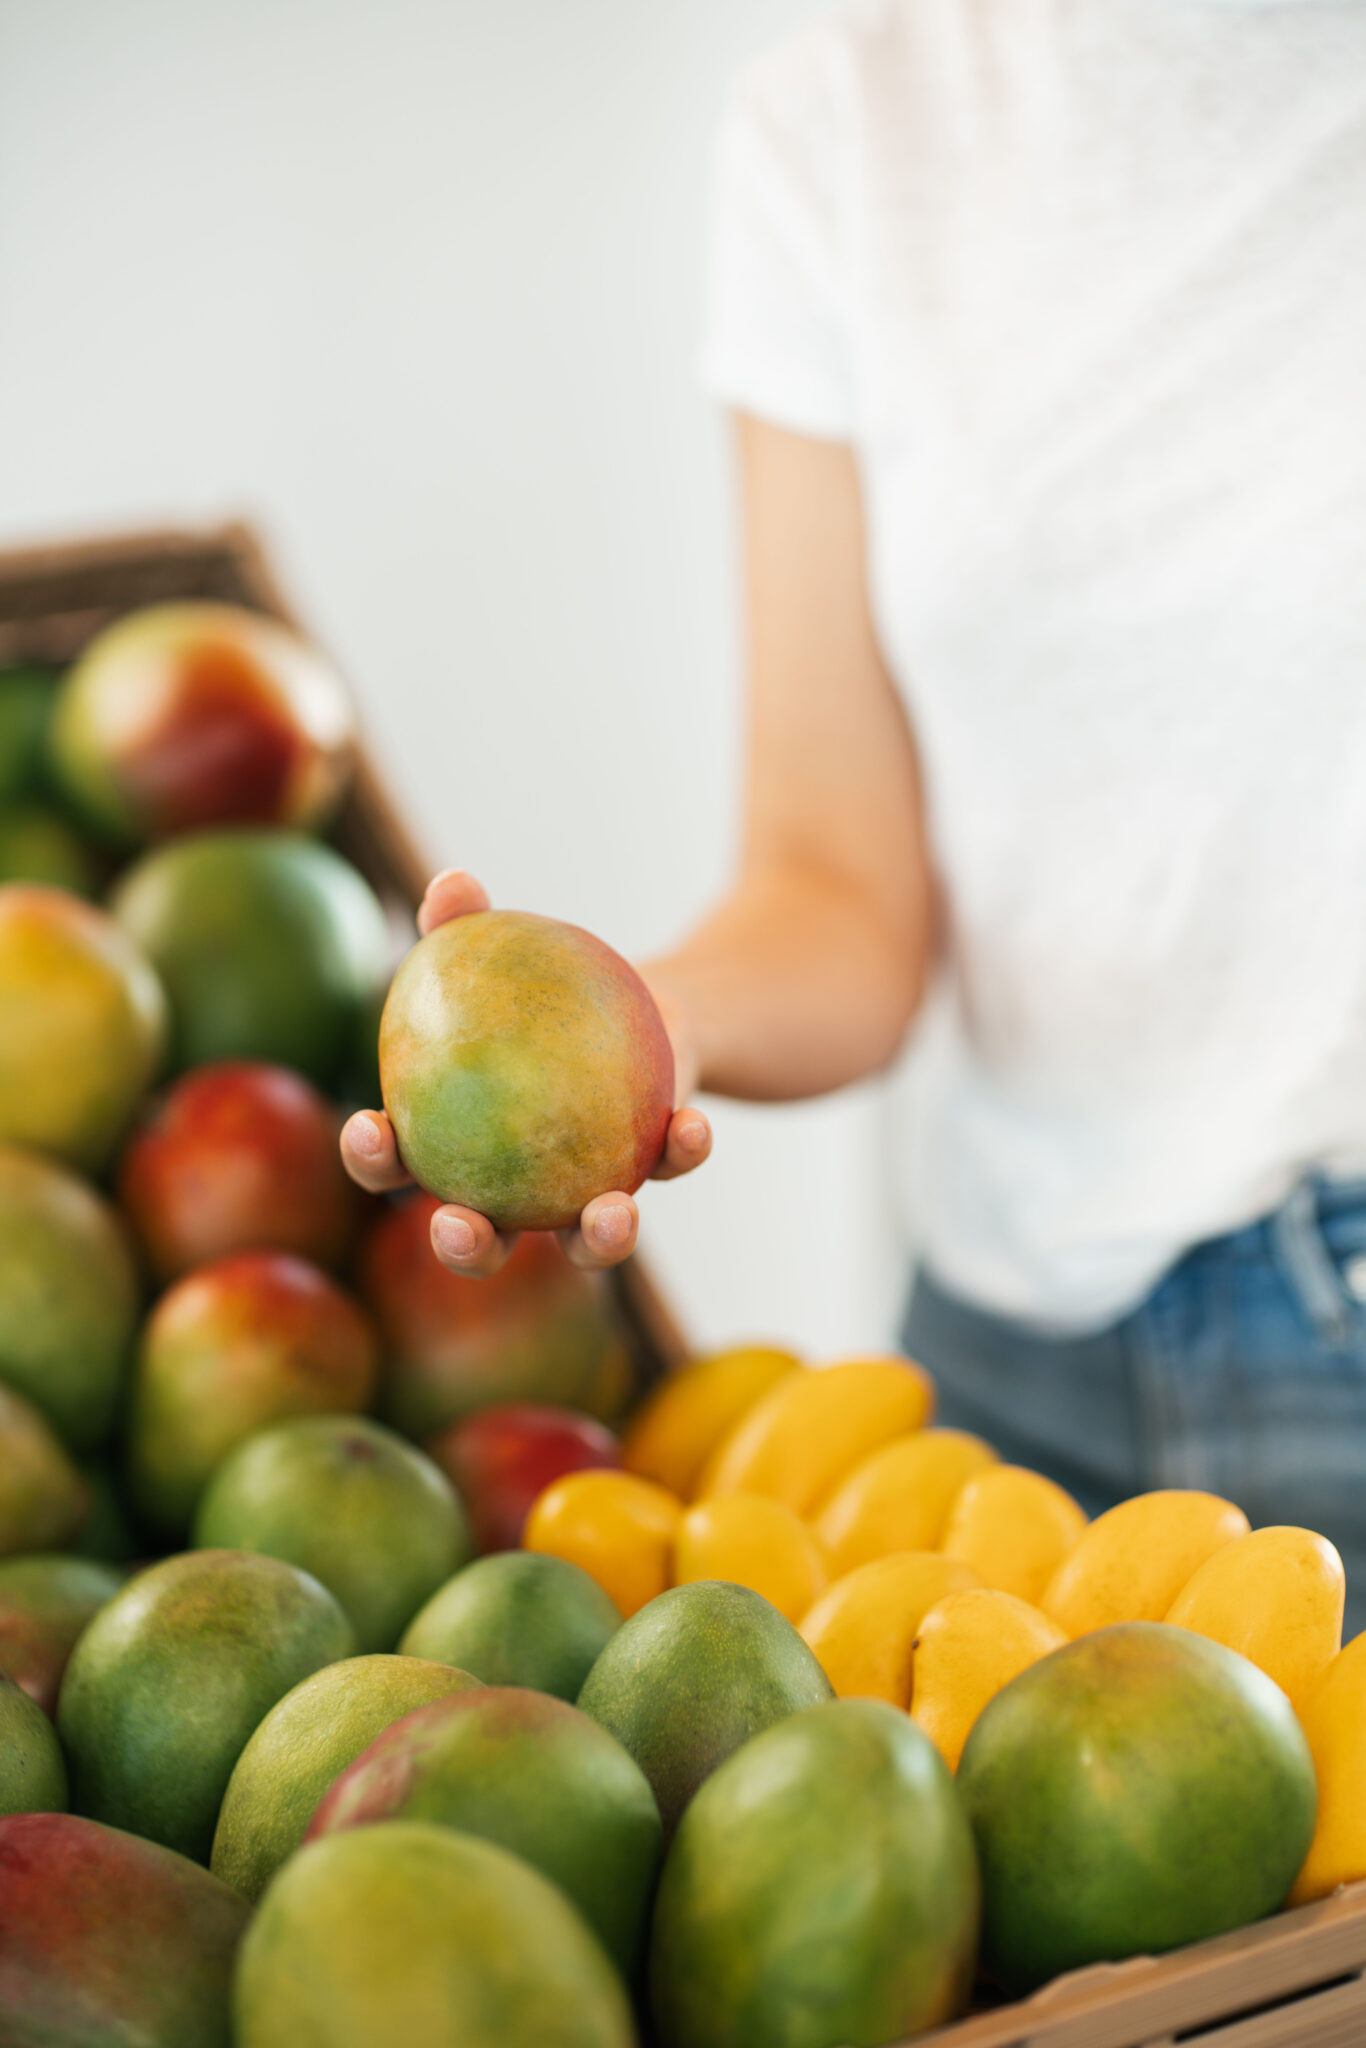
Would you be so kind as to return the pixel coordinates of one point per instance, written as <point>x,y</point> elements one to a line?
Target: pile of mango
<point>369,1670</point>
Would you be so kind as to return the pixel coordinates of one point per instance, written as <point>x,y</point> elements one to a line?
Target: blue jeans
<point>1243,1372</point>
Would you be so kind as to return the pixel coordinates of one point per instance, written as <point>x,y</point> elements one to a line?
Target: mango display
<point>187,715</point>
<point>1137,1789</point>
<point>235,1345</point>
<point>619,1529</point>
<point>864,1628</point>
<point>109,1938</point>
<point>518,1619</point>
<point>691,1677</point>
<point>238,1157</point>
<point>493,1954</point>
<point>752,1542</point>
<point>821,1889</point>
<point>169,1681</point>
<point>525,1069</point>
<point>805,1435</point>
<point>269,947</point>
<point>539,1330</point>
<point>304,1743</point>
<point>68,1297</point>
<point>348,1501</point>
<point>532,1774</point>
<point>83,1025</point>
<point>675,1433</point>
<point>45,1602</point>
<point>502,1459</point>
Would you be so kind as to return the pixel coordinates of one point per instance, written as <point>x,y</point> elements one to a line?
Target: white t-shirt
<point>1084,284</point>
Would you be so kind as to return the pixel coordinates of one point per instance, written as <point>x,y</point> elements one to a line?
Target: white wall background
<point>419,287</point>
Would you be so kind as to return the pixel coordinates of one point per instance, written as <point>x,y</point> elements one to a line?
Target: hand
<point>462,1239</point>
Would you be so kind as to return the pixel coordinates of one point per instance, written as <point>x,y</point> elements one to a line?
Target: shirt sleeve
<point>777,333</point>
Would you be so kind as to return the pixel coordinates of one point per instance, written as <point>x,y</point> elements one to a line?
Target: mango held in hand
<point>525,1069</point>
<point>184,715</point>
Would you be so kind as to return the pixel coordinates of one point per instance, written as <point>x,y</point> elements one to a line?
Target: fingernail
<point>691,1136</point>
<point>611,1226</point>
<point>454,1237</point>
<point>365,1136</point>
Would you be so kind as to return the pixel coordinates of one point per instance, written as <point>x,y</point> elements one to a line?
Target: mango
<point>802,1438</point>
<point>1277,1598</point>
<point>82,1025</point>
<point>752,1542</point>
<point>1139,1789</point>
<point>26,699</point>
<point>899,1498</point>
<point>241,1156</point>
<point>184,715</point>
<point>1131,1562</point>
<point>532,1774</point>
<point>269,946</point>
<point>617,1528</point>
<point>692,1676</point>
<point>517,1619</point>
<point>970,1646</point>
<point>169,1681</point>
<point>502,1459</point>
<point>45,1602</point>
<point>1333,1715</point>
<point>109,1939</point>
<point>417,1933</point>
<point>68,1297</point>
<point>32,1771</point>
<point>366,1513</point>
<point>43,1499</point>
<point>863,1629</point>
<point>674,1433</point>
<point>308,1739</point>
<point>235,1345</point>
<point>37,844</point>
<point>538,1330</point>
<point>822,1889</point>
<point>525,1069</point>
<point>1014,1527</point>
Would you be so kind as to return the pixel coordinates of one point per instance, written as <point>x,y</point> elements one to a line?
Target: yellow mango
<point>970,1645</point>
<point>1333,1717</point>
<point>863,1629</point>
<point>1131,1562</point>
<point>800,1439</point>
<point>1014,1527</point>
<point>672,1436</point>
<point>1276,1597</point>
<point>756,1543</point>
<point>899,1497</point>
<point>617,1528</point>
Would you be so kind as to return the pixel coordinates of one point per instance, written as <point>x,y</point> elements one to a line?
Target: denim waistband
<point>1303,1255</point>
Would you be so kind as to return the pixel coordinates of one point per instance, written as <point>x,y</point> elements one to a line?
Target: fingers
<point>370,1154</point>
<point>687,1144</point>
<point>450,894</point>
<point>466,1242</point>
<point>606,1234</point>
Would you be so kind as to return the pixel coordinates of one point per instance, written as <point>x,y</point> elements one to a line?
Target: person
<point>1044,324</point>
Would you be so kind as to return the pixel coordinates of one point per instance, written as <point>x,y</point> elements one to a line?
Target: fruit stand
<point>812,1469</point>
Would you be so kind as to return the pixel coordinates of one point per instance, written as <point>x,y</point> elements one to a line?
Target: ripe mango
<point>899,1498</point>
<point>1014,1527</point>
<point>44,1501</point>
<point>672,1436</point>
<point>32,1770</point>
<point>1333,1716</point>
<point>45,1602</point>
<point>970,1645</point>
<point>752,1542</point>
<point>617,1528</point>
<point>1277,1598</point>
<point>800,1439</point>
<point>525,1068</point>
<point>518,1618</point>
<point>1131,1563</point>
<point>863,1629</point>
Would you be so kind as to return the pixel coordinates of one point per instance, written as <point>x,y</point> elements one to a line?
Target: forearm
<point>794,986</point>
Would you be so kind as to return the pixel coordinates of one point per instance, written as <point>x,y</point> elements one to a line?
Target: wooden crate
<point>53,599</point>
<point>1296,1981</point>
